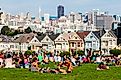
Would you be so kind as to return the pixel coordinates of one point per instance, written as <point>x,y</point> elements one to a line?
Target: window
<point>78,44</point>
<point>72,44</point>
<point>108,35</point>
<point>11,46</point>
<point>16,46</point>
<point>110,42</point>
<point>75,37</point>
<point>94,45</point>
<point>106,43</point>
<point>90,44</point>
<point>91,36</point>
<point>35,40</point>
<point>32,46</point>
<point>47,39</point>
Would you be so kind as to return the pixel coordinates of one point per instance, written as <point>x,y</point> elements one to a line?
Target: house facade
<point>47,43</point>
<point>92,42</point>
<point>108,42</point>
<point>75,42</point>
<point>6,43</point>
<point>23,41</point>
<point>34,44</point>
<point>61,42</point>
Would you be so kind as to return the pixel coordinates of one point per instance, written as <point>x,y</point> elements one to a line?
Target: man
<point>67,64</point>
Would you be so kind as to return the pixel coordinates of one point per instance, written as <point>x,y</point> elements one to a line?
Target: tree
<point>5,30</point>
<point>115,52</point>
<point>79,52</point>
<point>28,52</point>
<point>28,30</point>
<point>16,32</point>
<point>10,34</point>
<point>65,53</point>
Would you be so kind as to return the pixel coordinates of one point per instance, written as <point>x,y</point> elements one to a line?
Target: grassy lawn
<point>84,72</point>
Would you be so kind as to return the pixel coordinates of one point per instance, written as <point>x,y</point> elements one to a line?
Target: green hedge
<point>115,52</point>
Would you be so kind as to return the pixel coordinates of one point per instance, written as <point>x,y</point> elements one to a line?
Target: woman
<point>26,62</point>
<point>102,66</point>
<point>34,65</point>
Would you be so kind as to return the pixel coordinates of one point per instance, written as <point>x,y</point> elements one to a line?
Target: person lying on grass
<point>102,66</point>
<point>67,64</point>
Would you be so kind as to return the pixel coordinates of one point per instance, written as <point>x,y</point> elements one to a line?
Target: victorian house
<point>108,42</point>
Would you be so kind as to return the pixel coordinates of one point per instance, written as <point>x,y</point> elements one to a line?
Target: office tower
<point>75,17</point>
<point>60,11</point>
<point>104,21</point>
<point>46,18</point>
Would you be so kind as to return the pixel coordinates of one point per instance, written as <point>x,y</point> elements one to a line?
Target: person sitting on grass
<point>102,66</point>
<point>45,60</point>
<point>9,62</point>
<point>67,64</point>
<point>34,65</point>
<point>1,60</point>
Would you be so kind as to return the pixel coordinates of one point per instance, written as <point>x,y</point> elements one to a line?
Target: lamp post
<point>20,47</point>
<point>100,43</point>
<point>0,16</point>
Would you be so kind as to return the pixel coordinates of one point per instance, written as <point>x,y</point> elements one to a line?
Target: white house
<point>92,42</point>
<point>34,44</point>
<point>108,42</point>
<point>61,42</point>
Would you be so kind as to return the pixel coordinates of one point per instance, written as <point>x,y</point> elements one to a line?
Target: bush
<point>115,52</point>
<point>65,53</point>
<point>28,52</point>
<point>79,52</point>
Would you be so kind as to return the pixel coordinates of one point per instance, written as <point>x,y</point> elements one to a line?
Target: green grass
<point>84,72</point>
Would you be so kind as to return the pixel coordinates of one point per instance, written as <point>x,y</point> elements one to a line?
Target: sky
<point>50,6</point>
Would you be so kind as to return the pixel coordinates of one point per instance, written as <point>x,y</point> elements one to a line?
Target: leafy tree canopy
<point>28,30</point>
<point>115,52</point>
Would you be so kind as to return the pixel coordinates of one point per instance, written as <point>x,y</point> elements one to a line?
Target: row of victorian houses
<point>94,40</point>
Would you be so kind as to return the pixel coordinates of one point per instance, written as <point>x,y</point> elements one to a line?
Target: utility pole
<point>0,16</point>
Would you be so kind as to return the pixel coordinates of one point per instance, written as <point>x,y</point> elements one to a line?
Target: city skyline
<point>47,6</point>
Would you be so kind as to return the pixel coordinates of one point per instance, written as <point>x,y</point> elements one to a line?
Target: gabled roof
<point>64,35</point>
<point>41,37</point>
<point>53,36</point>
<point>99,34</point>
<point>112,33</point>
<point>72,34</point>
<point>24,38</point>
<point>82,35</point>
<point>96,33</point>
<point>4,38</point>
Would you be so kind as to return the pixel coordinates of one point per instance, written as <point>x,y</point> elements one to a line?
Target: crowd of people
<point>65,64</point>
<point>33,62</point>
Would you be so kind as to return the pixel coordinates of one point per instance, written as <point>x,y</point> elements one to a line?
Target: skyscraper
<point>60,11</point>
